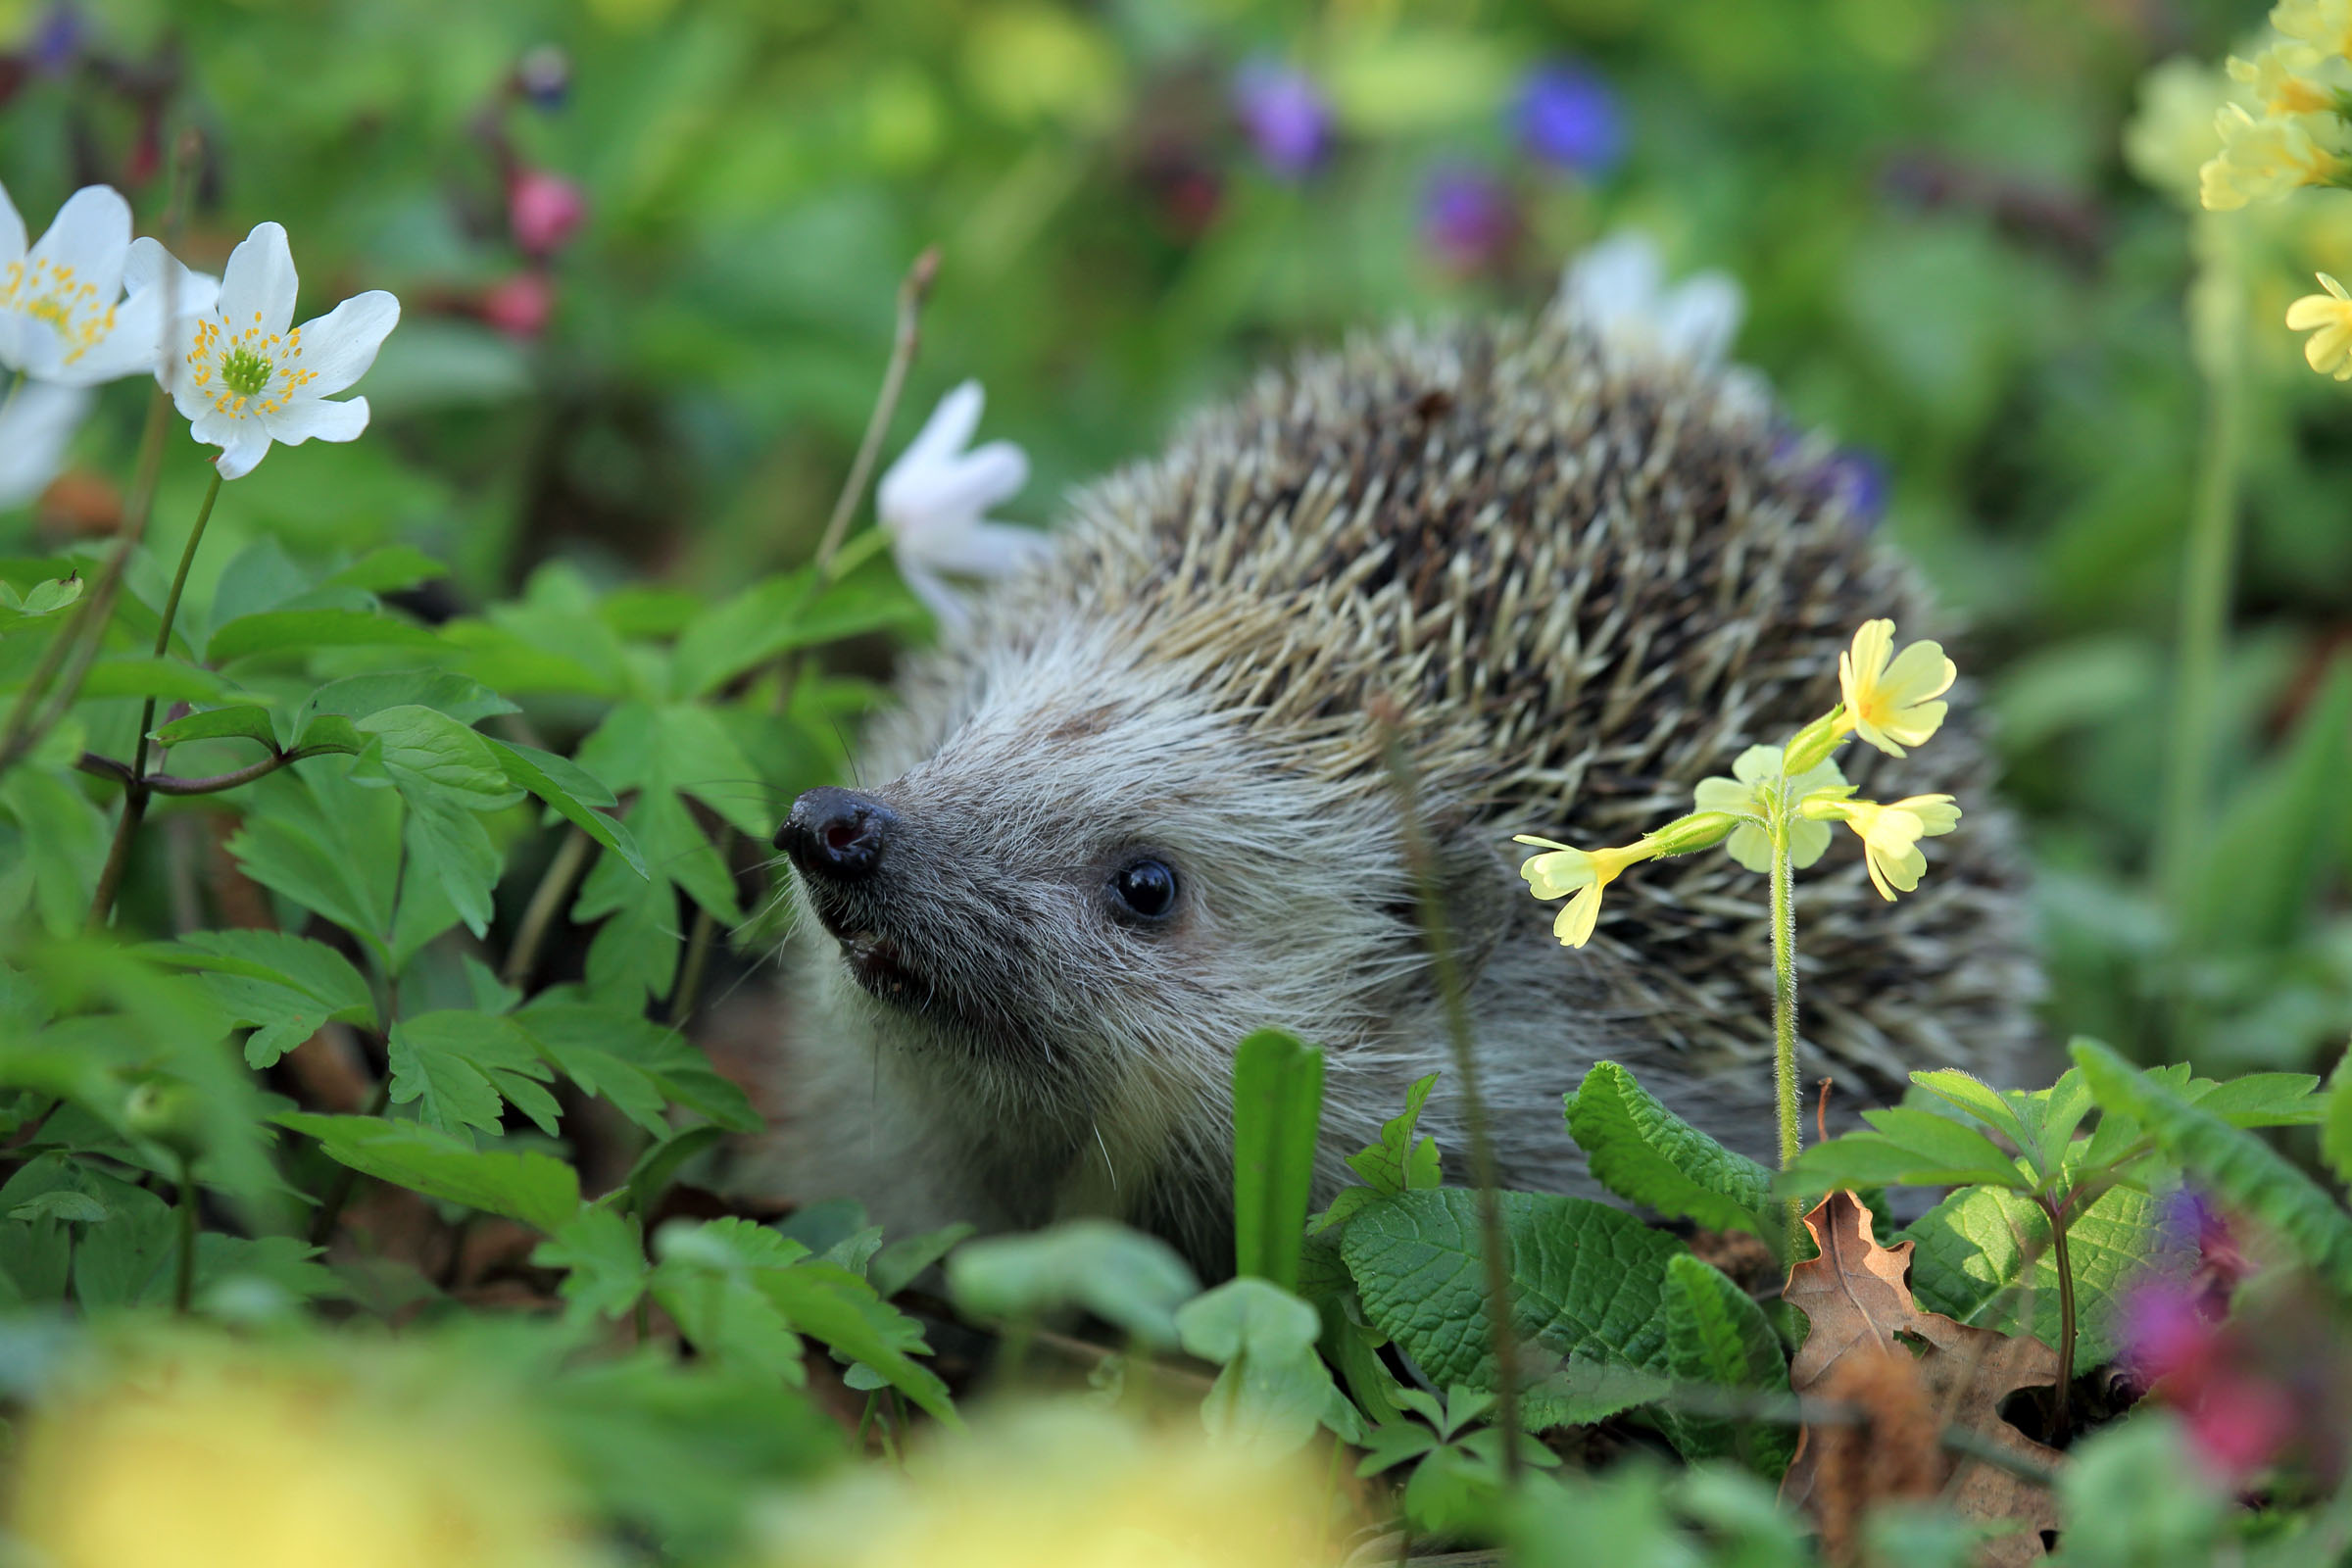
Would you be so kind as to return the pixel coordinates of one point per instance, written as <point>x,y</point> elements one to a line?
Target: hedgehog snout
<point>837,835</point>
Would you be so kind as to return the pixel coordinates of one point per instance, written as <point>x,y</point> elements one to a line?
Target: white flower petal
<point>948,432</point>
<point>36,426</point>
<point>338,347</point>
<point>256,287</point>
<point>1614,281</point>
<point>306,418</point>
<point>11,230</point>
<point>212,427</point>
<point>945,604</point>
<point>91,235</point>
<point>151,268</point>
<point>1698,320</point>
<point>954,495</point>
<point>248,443</point>
<point>134,347</point>
<point>984,549</point>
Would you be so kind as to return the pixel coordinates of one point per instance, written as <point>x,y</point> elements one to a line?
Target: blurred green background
<point>1951,263</point>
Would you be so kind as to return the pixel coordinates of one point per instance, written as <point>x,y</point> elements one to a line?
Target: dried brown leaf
<point>1857,1298</point>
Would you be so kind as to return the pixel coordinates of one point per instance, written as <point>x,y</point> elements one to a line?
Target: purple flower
<point>1567,116</point>
<point>1859,480</point>
<point>1285,117</point>
<point>1468,220</point>
<point>544,77</point>
<point>57,41</point>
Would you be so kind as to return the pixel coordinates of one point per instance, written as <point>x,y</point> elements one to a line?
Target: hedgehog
<point>1137,807</point>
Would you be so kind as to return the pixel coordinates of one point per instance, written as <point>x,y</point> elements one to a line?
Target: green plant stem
<point>539,917</point>
<point>913,289</point>
<point>1429,895</point>
<point>211,784</point>
<point>135,793</point>
<point>1783,994</point>
<point>2209,553</point>
<point>2060,1218</point>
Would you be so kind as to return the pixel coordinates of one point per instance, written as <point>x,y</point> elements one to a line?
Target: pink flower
<point>519,306</point>
<point>544,209</point>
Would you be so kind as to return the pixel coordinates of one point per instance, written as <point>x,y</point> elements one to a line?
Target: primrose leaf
<point>1398,1163</point>
<point>542,1191</point>
<point>1646,1155</point>
<point>1122,1276</point>
<point>458,1066</point>
<point>1716,1335</point>
<point>2233,1163</point>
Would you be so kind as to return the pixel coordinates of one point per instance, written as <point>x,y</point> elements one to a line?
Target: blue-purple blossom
<point>1859,480</point>
<point>57,41</point>
<point>1284,116</point>
<point>1567,116</point>
<point>1468,218</point>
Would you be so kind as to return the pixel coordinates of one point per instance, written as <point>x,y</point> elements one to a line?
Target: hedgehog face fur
<point>1586,583</point>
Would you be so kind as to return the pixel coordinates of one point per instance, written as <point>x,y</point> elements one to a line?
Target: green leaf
<point>1124,1277</point>
<point>1716,1335</point>
<point>1277,1110</point>
<point>778,615</point>
<point>284,986</point>
<point>457,1067</point>
<point>706,1280</point>
<point>2336,1132</point>
<point>633,1061</point>
<point>1398,1163</point>
<point>425,746</point>
<point>832,1304</point>
<point>459,696</point>
<point>1588,1280</point>
<point>1646,1155</point>
<point>542,1193</point>
<point>2236,1165</point>
<point>603,1251</point>
<point>448,847</point>
<point>141,675</point>
<point>903,1261</point>
<point>1942,1143</point>
<point>2262,1100</point>
<point>1979,1098</point>
<point>59,849</point>
<point>286,631</point>
<point>387,568</point>
<point>570,789</point>
<point>1273,1390</point>
<point>244,722</point>
<point>1971,1262</point>
<point>2264,859</point>
<point>658,1165</point>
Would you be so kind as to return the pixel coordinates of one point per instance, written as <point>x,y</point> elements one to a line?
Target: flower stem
<point>2059,1220</point>
<point>135,793</point>
<point>546,898</point>
<point>1784,991</point>
<point>2217,309</point>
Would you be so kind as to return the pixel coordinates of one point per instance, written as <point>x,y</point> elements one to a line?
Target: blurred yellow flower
<point>2172,135</point>
<point>2291,78</point>
<point>1062,1486</point>
<point>1028,62</point>
<point>2263,160</point>
<point>2323,24</point>
<point>1582,872</point>
<point>215,1456</point>
<point>2327,318</point>
<point>1890,697</point>
<point>1890,834</point>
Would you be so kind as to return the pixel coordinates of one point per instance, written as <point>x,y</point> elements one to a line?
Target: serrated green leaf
<point>1971,1262</point>
<point>705,1281</point>
<point>572,791</point>
<point>445,691</point>
<point>288,631</point>
<point>603,1254</point>
<point>423,744</point>
<point>1646,1155</point>
<point>1122,1276</point>
<point>458,1066</point>
<point>245,721</point>
<point>1978,1098</point>
<point>447,847</point>
<point>1399,1163</point>
<point>60,848</point>
<point>899,1264</point>
<point>2236,1165</point>
<point>830,1304</point>
<point>541,1191</point>
<point>285,987</point>
<point>622,1053</point>
<point>1588,1280</point>
<point>781,614</point>
<point>1718,1336</point>
<point>1277,1110</point>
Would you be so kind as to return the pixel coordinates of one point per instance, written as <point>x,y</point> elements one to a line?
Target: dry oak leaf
<point>1857,1297</point>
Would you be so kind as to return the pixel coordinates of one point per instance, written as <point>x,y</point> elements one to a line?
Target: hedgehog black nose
<point>836,834</point>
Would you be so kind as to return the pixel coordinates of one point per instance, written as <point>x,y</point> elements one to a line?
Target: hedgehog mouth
<point>879,964</point>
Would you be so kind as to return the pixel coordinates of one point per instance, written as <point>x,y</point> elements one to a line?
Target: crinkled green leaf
<point>1716,1335</point>
<point>1646,1155</point>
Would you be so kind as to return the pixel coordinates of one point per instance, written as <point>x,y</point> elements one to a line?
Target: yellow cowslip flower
<point>1890,834</point>
<point>198,1454</point>
<point>2326,26</point>
<point>2292,79</point>
<point>1064,1485</point>
<point>1890,697</point>
<point>2263,160</point>
<point>1582,872</point>
<point>2328,319</point>
<point>1747,795</point>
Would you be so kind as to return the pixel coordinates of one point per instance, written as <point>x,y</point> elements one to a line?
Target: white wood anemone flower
<point>1618,288</point>
<point>244,377</point>
<point>37,421</point>
<point>63,316</point>
<point>934,501</point>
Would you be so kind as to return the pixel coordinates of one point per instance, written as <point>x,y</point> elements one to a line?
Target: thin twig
<point>539,917</point>
<point>211,784</point>
<point>1429,895</point>
<point>913,290</point>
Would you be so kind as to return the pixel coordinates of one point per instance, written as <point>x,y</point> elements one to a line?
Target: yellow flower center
<point>253,369</point>
<point>52,294</point>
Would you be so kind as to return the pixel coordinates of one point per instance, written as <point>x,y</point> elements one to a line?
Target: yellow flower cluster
<point>2296,132</point>
<point>1786,796</point>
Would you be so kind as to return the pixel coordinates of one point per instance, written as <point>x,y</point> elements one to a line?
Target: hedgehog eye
<point>1145,889</point>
